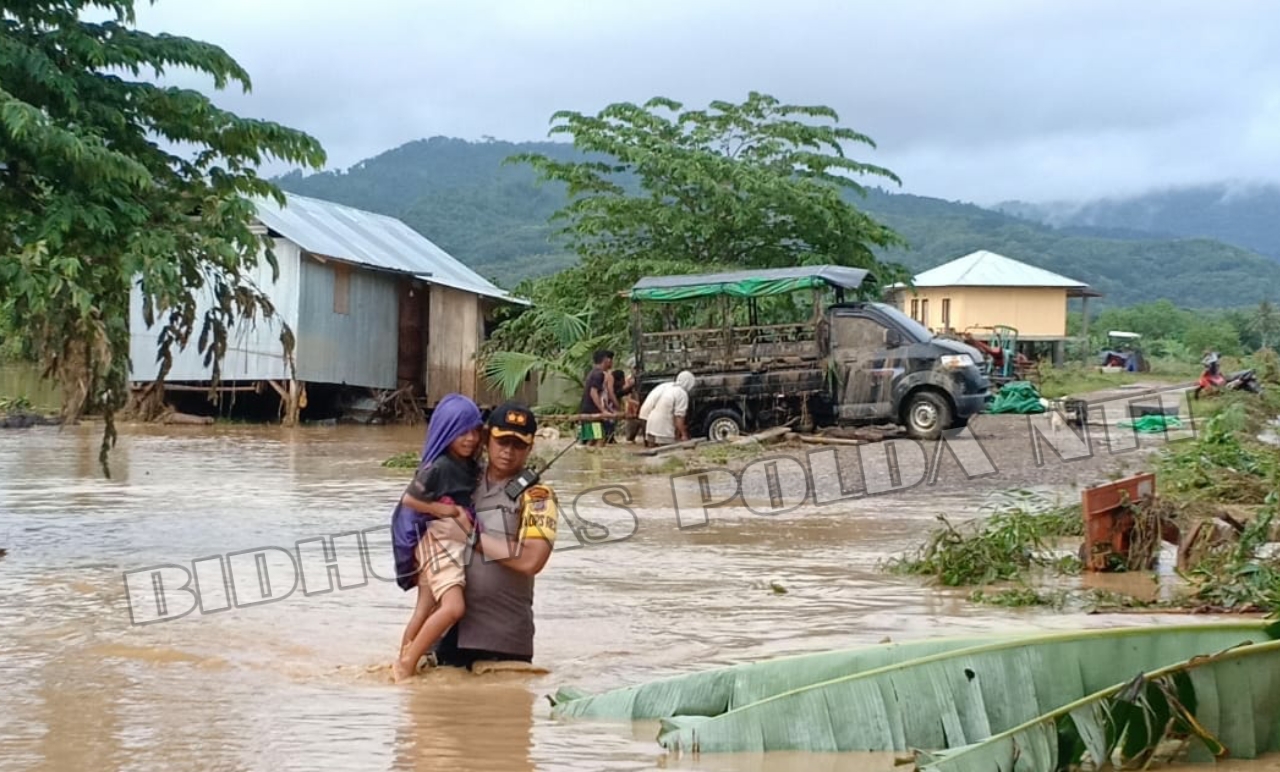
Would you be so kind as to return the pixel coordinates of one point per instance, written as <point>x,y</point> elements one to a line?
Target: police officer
<point>516,536</point>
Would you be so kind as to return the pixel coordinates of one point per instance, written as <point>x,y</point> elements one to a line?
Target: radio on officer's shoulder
<point>521,483</point>
<point>530,477</point>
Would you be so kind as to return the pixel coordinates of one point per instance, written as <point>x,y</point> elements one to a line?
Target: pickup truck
<point>847,363</point>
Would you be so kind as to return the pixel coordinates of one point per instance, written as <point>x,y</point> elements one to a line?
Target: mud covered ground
<point>993,453</point>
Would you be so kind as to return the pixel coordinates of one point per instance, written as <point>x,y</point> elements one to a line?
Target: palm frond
<point>506,371</point>
<point>566,328</point>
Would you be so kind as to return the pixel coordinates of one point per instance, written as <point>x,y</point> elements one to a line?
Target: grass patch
<point>1020,597</point>
<point>1072,379</point>
<point>723,453</point>
<point>406,460</point>
<point>669,465</point>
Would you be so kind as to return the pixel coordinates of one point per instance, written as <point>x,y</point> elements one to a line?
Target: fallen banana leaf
<point>712,692</point>
<point>1209,706</point>
<point>951,698</point>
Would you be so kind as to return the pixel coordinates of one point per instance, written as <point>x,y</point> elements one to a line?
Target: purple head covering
<point>453,416</point>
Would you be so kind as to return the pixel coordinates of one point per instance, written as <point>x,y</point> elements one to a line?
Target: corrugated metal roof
<point>378,241</point>
<point>988,269</point>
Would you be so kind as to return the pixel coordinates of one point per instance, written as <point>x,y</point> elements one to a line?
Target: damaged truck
<point>783,347</point>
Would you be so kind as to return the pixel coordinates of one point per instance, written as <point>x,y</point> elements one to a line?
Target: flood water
<point>302,683</point>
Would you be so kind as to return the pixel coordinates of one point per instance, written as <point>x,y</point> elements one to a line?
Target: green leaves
<point>92,205</point>
<point>1001,701</point>
<point>1209,706</point>
<point>661,189</point>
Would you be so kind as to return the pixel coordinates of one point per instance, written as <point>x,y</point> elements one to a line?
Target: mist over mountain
<point>1246,215</point>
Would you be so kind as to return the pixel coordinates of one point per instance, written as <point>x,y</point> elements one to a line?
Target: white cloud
<point>980,101</point>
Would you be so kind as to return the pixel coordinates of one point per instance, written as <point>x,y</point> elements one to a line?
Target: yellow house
<point>983,289</point>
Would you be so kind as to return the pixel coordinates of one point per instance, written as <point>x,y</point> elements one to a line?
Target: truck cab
<point>845,362</point>
<point>893,370</point>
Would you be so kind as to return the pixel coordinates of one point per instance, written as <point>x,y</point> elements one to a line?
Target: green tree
<point>665,190</point>
<point>1213,335</point>
<point>91,201</point>
<point>1265,323</point>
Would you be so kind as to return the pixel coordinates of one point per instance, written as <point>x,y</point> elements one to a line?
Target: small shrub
<point>406,460</point>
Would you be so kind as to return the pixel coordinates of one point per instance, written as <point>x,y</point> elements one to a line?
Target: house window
<point>946,313</point>
<point>924,312</point>
<point>341,289</point>
<point>915,309</point>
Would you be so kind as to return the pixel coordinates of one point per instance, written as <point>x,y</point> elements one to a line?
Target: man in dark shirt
<point>596,398</point>
<point>518,535</point>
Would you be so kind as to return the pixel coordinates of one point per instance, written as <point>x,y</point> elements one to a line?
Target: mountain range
<point>1205,247</point>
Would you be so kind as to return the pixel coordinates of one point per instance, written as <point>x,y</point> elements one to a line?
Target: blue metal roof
<point>378,241</point>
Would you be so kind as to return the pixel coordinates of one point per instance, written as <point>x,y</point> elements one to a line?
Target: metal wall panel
<point>357,348</point>
<point>254,351</point>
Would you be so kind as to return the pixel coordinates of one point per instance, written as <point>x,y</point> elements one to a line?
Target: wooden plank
<point>765,436</point>
<point>469,343</point>
<point>818,439</point>
<point>450,331</point>
<point>186,419</point>
<point>686,445</point>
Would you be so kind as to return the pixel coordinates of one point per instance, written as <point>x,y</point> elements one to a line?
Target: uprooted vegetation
<point>1012,536</point>
<point>1216,499</point>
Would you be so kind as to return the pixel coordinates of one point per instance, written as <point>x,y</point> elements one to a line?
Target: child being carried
<point>431,526</point>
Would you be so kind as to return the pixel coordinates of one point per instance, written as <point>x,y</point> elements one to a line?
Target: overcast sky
<point>977,100</point>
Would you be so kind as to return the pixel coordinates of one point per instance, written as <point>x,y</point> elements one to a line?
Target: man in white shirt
<point>664,411</point>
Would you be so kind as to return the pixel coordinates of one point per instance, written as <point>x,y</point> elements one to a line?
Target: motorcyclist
<point>1212,378</point>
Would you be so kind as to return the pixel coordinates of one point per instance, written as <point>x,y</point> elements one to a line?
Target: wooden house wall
<point>454,328</point>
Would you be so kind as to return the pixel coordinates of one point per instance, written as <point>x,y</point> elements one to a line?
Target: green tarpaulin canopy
<point>1017,397</point>
<point>746,284</point>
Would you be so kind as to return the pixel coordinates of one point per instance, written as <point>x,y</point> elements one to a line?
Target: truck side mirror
<point>892,339</point>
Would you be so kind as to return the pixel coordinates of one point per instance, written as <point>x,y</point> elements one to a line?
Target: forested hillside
<point>494,217</point>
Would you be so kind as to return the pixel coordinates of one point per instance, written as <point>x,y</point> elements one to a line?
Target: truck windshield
<point>913,328</point>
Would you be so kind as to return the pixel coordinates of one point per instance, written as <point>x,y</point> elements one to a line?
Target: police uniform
<point>498,623</point>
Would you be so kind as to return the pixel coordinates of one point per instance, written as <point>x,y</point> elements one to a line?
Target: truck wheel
<point>723,424</point>
<point>926,414</point>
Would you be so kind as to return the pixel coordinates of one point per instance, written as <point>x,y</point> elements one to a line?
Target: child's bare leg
<point>426,599</point>
<point>447,613</point>
<point>425,605</point>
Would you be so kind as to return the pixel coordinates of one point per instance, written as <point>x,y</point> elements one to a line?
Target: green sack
<point>1017,397</point>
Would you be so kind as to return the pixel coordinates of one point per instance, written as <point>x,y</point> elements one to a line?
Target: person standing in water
<point>432,525</point>
<point>515,543</point>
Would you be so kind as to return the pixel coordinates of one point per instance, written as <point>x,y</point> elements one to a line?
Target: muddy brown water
<point>302,683</point>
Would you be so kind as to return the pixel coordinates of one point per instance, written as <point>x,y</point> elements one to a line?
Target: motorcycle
<point>1212,379</point>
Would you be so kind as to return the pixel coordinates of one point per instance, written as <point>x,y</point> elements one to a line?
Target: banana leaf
<point>1226,704</point>
<point>712,692</point>
<point>951,698</point>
